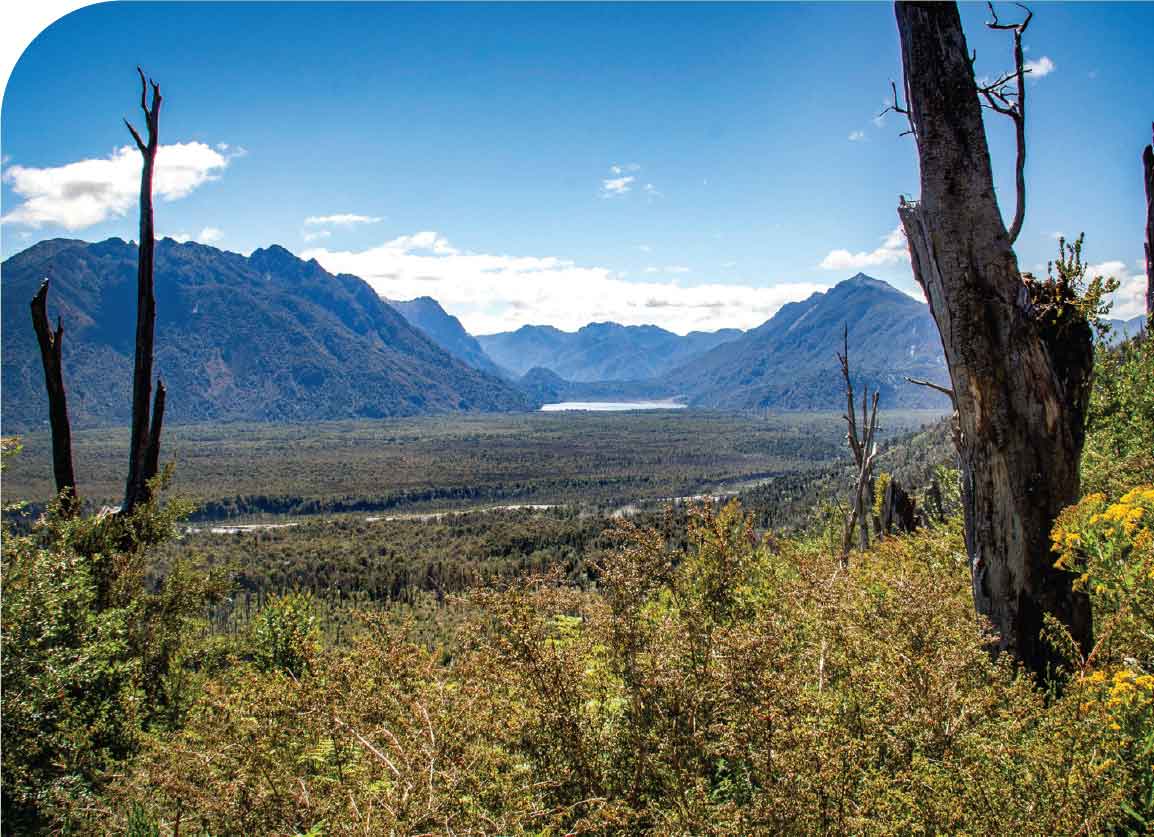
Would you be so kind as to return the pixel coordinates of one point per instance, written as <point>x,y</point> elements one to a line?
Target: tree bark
<point>1148,168</point>
<point>51,354</point>
<point>1021,381</point>
<point>140,456</point>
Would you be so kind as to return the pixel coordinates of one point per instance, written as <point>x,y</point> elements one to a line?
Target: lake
<point>610,406</point>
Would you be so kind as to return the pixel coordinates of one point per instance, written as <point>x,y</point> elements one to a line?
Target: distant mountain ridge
<point>446,331</point>
<point>543,386</point>
<point>599,351</point>
<point>1125,329</point>
<point>789,362</point>
<point>264,338</point>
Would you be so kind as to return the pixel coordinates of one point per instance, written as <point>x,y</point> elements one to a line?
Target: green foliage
<point>140,824</point>
<point>92,660</point>
<point>285,636</point>
<point>1088,297</point>
<point>679,674</point>
<point>71,698</point>
<point>1119,450</point>
<point>719,682</point>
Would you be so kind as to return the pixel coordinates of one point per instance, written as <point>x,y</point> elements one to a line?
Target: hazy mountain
<point>599,351</point>
<point>790,361</point>
<point>264,338</point>
<point>446,331</point>
<point>542,386</point>
<point>1125,329</point>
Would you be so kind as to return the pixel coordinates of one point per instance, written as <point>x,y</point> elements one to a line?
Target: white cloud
<point>315,236</point>
<point>622,181</point>
<point>208,235</point>
<point>670,268</point>
<point>644,248</point>
<point>855,136</point>
<point>613,186</point>
<point>80,194</point>
<point>1130,298</point>
<point>428,241</point>
<point>491,293</point>
<point>1042,67</point>
<point>343,219</point>
<point>892,251</point>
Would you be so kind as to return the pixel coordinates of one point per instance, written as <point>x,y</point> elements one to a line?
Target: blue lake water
<point>610,406</point>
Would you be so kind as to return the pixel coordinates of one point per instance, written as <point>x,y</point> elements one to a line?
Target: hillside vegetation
<point>696,674</point>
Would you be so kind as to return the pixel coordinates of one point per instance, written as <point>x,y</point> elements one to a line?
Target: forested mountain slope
<point>790,362</point>
<point>446,331</point>
<point>264,338</point>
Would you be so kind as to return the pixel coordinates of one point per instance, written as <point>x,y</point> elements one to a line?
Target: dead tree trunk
<point>51,346</point>
<point>1148,168</point>
<point>1021,382</point>
<point>899,512</point>
<point>864,450</point>
<point>144,448</point>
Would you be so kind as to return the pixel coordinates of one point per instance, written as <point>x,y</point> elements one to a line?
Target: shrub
<point>92,660</point>
<point>718,683</point>
<point>1119,452</point>
<point>285,634</point>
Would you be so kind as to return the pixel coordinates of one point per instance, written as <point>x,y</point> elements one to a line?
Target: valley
<point>241,472</point>
<point>399,515</point>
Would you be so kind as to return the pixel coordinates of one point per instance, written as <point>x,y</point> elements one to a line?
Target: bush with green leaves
<point>1119,451</point>
<point>718,682</point>
<point>92,660</point>
<point>285,634</point>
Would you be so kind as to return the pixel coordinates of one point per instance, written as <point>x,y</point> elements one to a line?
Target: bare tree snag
<point>141,456</point>
<point>1021,380</point>
<point>864,450</point>
<point>1148,167</point>
<point>51,354</point>
<point>152,463</point>
<point>899,511</point>
<point>1000,98</point>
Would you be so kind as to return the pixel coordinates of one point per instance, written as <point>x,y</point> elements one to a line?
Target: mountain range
<point>264,338</point>
<point>270,337</point>
<point>600,351</point>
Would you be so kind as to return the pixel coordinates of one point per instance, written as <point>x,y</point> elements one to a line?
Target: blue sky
<point>693,166</point>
